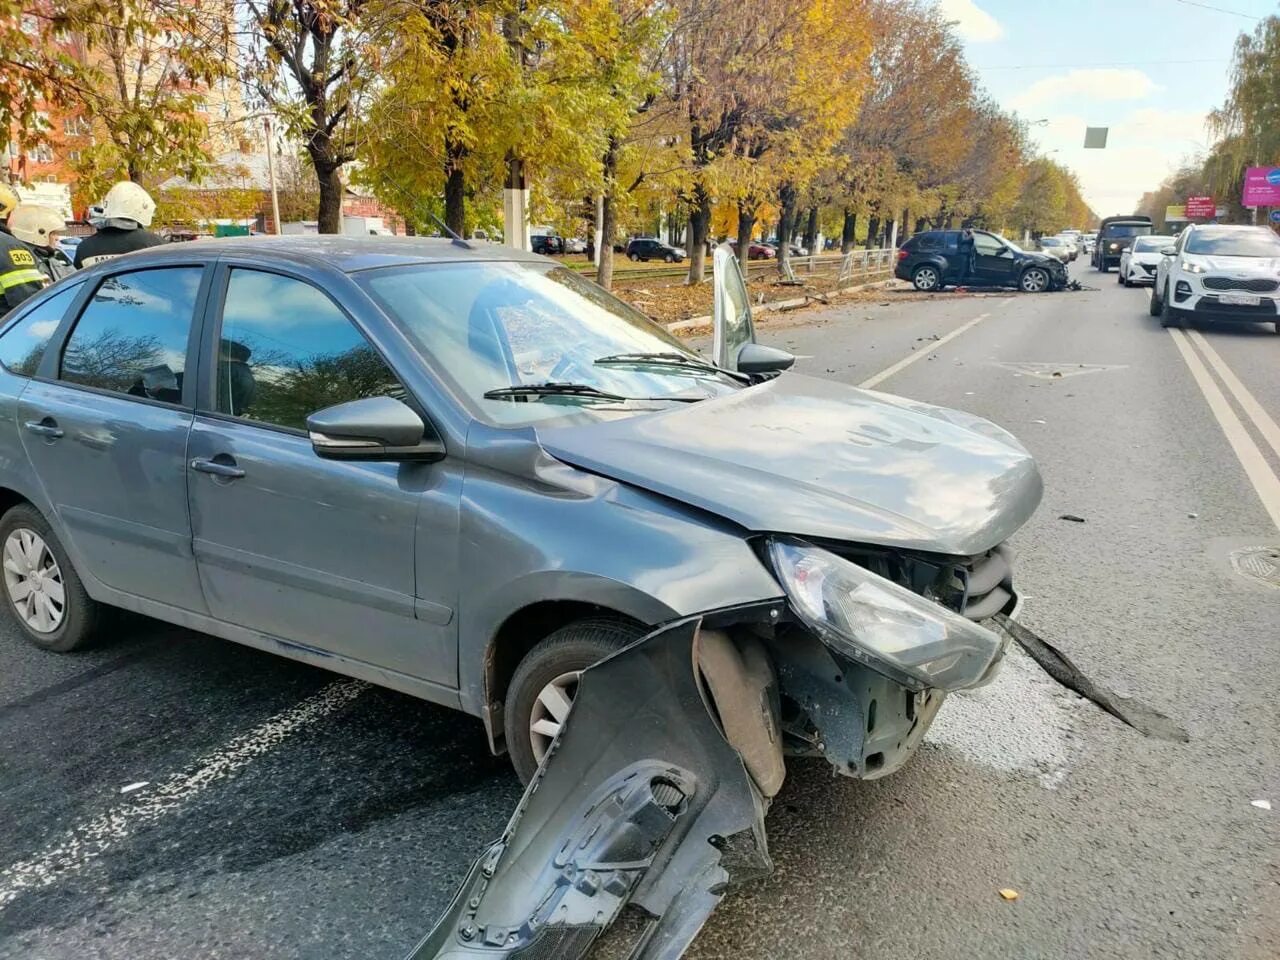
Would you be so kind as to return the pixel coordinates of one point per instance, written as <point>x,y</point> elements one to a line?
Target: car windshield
<point>1234,243</point>
<point>1127,230</point>
<point>485,326</point>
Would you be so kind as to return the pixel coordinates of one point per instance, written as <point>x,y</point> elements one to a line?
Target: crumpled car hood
<point>819,459</point>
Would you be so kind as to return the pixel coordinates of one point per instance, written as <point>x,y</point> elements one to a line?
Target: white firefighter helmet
<point>128,201</point>
<point>8,200</point>
<point>36,225</point>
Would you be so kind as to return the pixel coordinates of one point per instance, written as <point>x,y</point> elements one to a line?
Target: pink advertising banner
<point>1262,187</point>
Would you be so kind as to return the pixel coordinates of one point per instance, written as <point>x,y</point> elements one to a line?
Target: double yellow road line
<point>1193,347</point>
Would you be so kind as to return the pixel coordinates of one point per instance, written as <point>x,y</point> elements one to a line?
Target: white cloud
<point>972,22</point>
<point>42,328</point>
<point>1077,85</point>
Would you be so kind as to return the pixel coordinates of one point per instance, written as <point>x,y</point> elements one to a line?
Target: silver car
<point>468,474</point>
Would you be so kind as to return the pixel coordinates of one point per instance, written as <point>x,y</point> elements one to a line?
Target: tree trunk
<point>920,224</point>
<point>699,225</point>
<point>746,227</point>
<point>786,225</point>
<point>811,231</point>
<point>873,231</point>
<point>849,232</point>
<point>608,216</point>
<point>329,216</point>
<point>888,233</point>
<point>454,191</point>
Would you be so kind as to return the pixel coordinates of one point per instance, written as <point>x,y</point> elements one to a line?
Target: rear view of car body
<point>1115,235</point>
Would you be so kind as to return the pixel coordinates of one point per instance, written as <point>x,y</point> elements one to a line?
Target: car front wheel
<point>546,682</point>
<point>632,257</point>
<point>1154,306</point>
<point>47,601</point>
<point>1169,316</point>
<point>926,278</point>
<point>1034,280</point>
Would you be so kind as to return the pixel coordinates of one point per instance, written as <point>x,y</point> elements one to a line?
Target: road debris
<point>1260,804</point>
<point>1070,516</point>
<point>1008,893</point>
<point>135,786</point>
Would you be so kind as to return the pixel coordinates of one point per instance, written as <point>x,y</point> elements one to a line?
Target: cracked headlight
<point>881,624</point>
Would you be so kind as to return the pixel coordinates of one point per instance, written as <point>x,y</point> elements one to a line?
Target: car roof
<point>348,254</point>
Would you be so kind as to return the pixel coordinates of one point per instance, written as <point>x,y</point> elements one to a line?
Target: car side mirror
<point>758,358</point>
<point>1168,251</point>
<point>373,428</point>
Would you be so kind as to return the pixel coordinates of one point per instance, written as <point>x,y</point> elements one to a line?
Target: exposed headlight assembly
<point>1189,266</point>
<point>878,623</point>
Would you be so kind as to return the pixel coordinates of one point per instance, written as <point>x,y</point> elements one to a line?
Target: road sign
<point>1262,187</point>
<point>1275,216</point>
<point>1201,208</point>
<point>1095,138</point>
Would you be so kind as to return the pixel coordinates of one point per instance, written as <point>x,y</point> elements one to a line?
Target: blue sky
<point>1109,63</point>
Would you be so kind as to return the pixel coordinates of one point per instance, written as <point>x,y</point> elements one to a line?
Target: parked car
<point>546,244</point>
<point>757,251</point>
<point>936,259</point>
<point>1114,235</point>
<point>1089,241</point>
<point>525,475</point>
<point>1055,247</point>
<point>1138,262</point>
<point>575,245</point>
<point>1221,274</point>
<point>650,248</point>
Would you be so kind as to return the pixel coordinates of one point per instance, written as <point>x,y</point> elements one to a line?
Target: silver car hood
<point>820,459</point>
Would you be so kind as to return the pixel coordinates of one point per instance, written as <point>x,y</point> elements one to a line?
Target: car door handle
<point>218,468</point>
<point>47,428</point>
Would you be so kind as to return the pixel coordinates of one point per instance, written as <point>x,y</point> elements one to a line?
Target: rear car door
<point>316,552</point>
<point>105,424</point>
<point>993,262</point>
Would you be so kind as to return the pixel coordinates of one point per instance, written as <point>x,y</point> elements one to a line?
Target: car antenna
<point>457,240</point>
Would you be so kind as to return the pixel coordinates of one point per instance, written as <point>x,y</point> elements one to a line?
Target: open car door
<point>733,342</point>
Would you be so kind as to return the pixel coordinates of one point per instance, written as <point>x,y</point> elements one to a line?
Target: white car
<point>1056,247</point>
<point>1138,262</point>
<point>1223,274</point>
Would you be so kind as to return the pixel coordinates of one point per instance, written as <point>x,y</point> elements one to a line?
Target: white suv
<point>1221,274</point>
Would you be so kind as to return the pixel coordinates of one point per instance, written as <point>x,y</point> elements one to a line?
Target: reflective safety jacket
<point>20,275</point>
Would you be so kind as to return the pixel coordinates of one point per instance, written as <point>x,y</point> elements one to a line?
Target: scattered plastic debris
<point>129,788</point>
<point>1260,804</point>
<point>1194,516</point>
<point>1072,517</point>
<point>1039,421</point>
<point>1008,893</point>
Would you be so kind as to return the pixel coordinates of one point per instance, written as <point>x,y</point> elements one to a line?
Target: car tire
<point>632,257</point>
<point>926,278</point>
<point>566,652</point>
<point>1034,280</point>
<point>669,258</point>
<point>28,544</point>
<point>1154,306</point>
<point>1121,278</point>
<point>1169,316</point>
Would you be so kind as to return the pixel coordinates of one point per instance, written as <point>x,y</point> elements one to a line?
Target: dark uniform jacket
<point>20,275</point>
<point>111,242</point>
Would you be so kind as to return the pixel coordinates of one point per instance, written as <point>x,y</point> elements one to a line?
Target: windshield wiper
<point>668,360</point>
<point>524,391</point>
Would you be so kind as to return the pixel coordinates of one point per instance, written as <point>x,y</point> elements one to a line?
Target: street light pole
<point>271,175</point>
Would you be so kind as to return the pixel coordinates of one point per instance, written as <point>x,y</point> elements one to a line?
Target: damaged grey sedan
<point>472,476</point>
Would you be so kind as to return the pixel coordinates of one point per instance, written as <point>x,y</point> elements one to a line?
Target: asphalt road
<point>288,814</point>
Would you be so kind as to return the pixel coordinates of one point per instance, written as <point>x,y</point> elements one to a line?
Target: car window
<point>1127,230</point>
<point>986,245</point>
<point>285,350</point>
<point>22,345</point>
<point>1234,243</point>
<point>930,241</point>
<point>132,335</point>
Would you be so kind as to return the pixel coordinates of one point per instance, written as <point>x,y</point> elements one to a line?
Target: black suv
<point>1115,235</point>
<point>647,248</point>
<point>941,258</point>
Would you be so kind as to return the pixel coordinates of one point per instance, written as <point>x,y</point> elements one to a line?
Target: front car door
<point>105,424</point>
<point>319,553</point>
<point>993,261</point>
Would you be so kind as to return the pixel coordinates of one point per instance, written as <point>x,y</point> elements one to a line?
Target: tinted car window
<point>132,336</point>
<point>285,350</point>
<point>1127,230</point>
<point>929,241</point>
<point>22,345</point>
<point>1234,243</point>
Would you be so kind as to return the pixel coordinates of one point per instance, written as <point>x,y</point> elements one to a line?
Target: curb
<point>773,306</point>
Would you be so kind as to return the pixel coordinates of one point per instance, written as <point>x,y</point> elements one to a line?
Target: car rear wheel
<point>669,258</point>
<point>1034,280</point>
<point>46,599</point>
<point>546,682</point>
<point>632,257</point>
<point>926,278</point>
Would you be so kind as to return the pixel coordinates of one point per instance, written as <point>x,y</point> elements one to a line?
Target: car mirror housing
<point>758,358</point>
<point>1168,251</point>
<point>373,428</point>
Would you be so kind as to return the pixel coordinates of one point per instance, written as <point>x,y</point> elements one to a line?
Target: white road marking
<point>905,362</point>
<point>89,840</point>
<point>1256,468</point>
<point>1252,408</point>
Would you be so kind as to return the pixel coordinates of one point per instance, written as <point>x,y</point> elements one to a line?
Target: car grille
<point>1149,267</point>
<point>983,585</point>
<point>1252,284</point>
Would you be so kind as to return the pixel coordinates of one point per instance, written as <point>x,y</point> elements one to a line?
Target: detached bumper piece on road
<point>641,802</point>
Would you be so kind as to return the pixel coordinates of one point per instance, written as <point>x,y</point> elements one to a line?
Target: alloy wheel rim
<point>928,279</point>
<point>1033,282</point>
<point>34,581</point>
<point>550,710</point>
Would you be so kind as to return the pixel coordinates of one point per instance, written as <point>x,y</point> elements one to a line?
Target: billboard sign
<point>1174,213</point>
<point>1262,187</point>
<point>1201,208</point>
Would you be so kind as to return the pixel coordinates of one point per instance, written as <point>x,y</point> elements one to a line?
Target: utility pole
<point>515,193</point>
<point>271,175</point>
